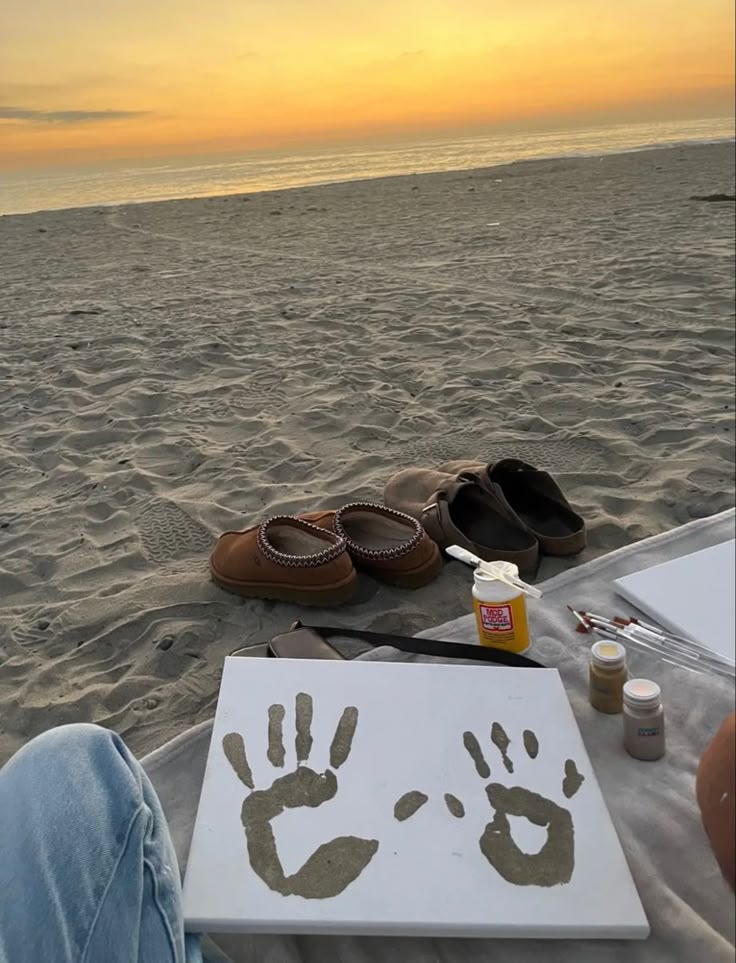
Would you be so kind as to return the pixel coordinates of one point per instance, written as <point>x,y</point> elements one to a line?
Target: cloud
<point>26,115</point>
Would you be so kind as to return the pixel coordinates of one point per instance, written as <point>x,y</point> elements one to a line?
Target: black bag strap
<point>435,647</point>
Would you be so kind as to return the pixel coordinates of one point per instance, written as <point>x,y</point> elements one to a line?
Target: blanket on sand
<point>689,905</point>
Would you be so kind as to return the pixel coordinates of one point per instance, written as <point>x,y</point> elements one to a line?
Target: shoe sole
<point>414,578</point>
<point>322,595</point>
<point>572,545</point>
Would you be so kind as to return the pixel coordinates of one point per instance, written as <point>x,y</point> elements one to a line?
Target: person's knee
<point>74,734</point>
<point>716,794</point>
<point>79,758</point>
<point>78,739</point>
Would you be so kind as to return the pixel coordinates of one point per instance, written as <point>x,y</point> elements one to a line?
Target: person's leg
<point>88,872</point>
<point>715,787</point>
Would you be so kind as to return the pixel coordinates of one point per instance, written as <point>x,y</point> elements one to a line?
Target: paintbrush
<point>691,661</point>
<point>634,630</point>
<point>675,640</point>
<point>605,633</point>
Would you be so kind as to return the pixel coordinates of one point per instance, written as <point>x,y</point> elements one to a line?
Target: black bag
<point>310,642</point>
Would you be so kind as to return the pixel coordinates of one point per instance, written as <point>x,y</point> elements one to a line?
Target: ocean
<point>126,181</point>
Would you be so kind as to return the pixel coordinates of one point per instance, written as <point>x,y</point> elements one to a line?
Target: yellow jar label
<point>502,624</point>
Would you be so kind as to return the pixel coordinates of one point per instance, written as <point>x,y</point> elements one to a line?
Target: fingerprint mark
<point>409,803</point>
<point>276,753</point>
<point>234,749</point>
<point>454,805</point>
<point>304,713</point>
<point>501,741</point>
<point>531,744</point>
<point>342,742</point>
<point>573,780</point>
<point>476,754</point>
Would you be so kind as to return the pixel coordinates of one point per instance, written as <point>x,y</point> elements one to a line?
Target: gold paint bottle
<point>607,675</point>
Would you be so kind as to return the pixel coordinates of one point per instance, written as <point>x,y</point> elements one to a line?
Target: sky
<point>82,80</point>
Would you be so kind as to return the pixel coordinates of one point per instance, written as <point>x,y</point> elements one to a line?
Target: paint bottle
<point>500,608</point>
<point>643,719</point>
<point>607,675</point>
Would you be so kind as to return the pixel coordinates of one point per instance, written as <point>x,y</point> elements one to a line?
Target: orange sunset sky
<point>84,80</point>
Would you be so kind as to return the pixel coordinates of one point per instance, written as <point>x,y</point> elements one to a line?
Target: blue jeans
<point>88,872</point>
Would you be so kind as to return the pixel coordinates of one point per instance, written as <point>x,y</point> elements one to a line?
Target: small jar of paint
<point>643,720</point>
<point>607,675</point>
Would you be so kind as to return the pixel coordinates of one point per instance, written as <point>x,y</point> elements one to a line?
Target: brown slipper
<point>536,498</point>
<point>458,510</point>
<point>389,545</point>
<point>286,559</point>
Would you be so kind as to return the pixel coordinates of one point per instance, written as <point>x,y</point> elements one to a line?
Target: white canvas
<point>693,596</point>
<point>426,874</point>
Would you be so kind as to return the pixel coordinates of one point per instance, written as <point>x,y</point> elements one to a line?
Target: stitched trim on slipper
<point>379,554</point>
<point>329,554</point>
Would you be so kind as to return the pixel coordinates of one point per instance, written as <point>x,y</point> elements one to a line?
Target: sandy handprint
<point>334,865</point>
<point>555,861</point>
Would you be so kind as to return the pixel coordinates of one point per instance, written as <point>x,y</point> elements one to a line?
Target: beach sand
<point>168,371</point>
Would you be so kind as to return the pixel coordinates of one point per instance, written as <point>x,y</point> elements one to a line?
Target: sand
<point>169,371</point>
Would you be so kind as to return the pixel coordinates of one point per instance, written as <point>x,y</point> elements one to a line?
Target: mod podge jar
<point>500,607</point>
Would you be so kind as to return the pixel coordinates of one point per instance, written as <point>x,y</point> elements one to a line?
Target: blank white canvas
<point>428,875</point>
<point>694,596</point>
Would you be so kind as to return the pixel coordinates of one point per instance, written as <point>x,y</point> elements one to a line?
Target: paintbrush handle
<point>683,659</point>
<point>663,631</point>
<point>688,648</point>
<point>463,555</point>
<point>662,638</point>
<point>668,638</point>
<point>652,643</point>
<point>493,570</point>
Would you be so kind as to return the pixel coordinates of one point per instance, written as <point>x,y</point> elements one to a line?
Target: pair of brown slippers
<point>312,559</point>
<point>509,510</point>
